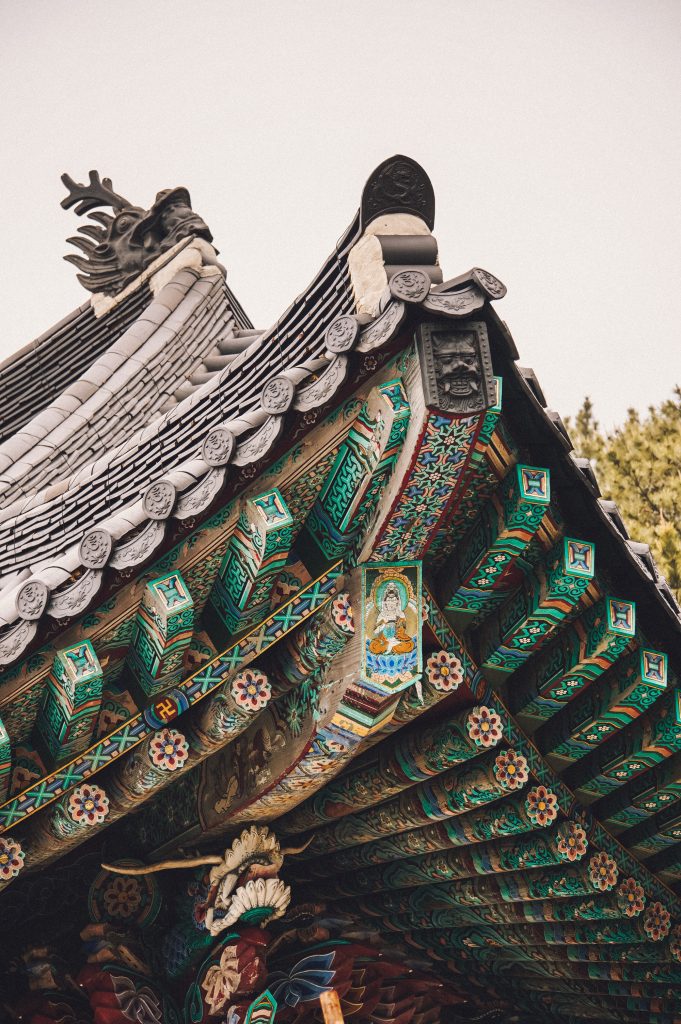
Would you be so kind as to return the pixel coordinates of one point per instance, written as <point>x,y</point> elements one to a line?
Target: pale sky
<point>550,131</point>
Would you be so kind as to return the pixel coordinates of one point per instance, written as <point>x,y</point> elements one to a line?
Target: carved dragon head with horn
<point>243,882</point>
<point>119,246</point>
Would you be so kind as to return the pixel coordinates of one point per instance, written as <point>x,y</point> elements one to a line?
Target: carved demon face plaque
<point>456,366</point>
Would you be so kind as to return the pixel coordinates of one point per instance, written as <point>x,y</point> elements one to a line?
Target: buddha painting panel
<point>392,624</point>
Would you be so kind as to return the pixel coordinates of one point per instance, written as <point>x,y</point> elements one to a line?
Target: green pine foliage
<point>638,466</point>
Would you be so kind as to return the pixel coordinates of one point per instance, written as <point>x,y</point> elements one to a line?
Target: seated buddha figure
<point>390,632</point>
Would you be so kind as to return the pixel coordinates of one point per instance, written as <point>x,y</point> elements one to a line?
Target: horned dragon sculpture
<point>119,246</point>
<point>242,882</point>
<point>220,974</point>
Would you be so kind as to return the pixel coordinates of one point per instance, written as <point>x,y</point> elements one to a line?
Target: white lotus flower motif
<point>260,893</point>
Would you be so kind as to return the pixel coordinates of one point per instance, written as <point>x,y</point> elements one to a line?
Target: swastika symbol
<point>166,709</point>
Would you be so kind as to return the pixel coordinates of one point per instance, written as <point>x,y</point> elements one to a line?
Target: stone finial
<point>398,185</point>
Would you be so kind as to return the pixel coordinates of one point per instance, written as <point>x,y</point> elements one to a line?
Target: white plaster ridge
<point>367,270</point>
<point>190,253</point>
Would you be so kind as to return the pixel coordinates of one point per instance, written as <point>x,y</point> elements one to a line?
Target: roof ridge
<point>21,453</point>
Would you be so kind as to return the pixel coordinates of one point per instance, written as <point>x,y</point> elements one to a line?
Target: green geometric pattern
<point>630,752</point>
<point>71,703</point>
<point>581,654</point>
<point>482,571</point>
<point>624,693</point>
<point>643,796</point>
<point>256,553</point>
<point>546,598</point>
<point>359,473</point>
<point>162,631</point>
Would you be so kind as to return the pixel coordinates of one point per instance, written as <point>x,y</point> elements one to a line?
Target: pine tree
<point>639,466</point>
<point>585,433</point>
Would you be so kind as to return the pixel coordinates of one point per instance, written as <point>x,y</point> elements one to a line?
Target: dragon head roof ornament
<point>120,245</point>
<point>243,882</point>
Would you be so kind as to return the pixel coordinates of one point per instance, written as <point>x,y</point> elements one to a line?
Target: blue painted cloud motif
<point>305,981</point>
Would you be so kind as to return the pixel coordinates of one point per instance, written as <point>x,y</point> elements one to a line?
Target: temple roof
<point>369,508</point>
<point>57,357</point>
